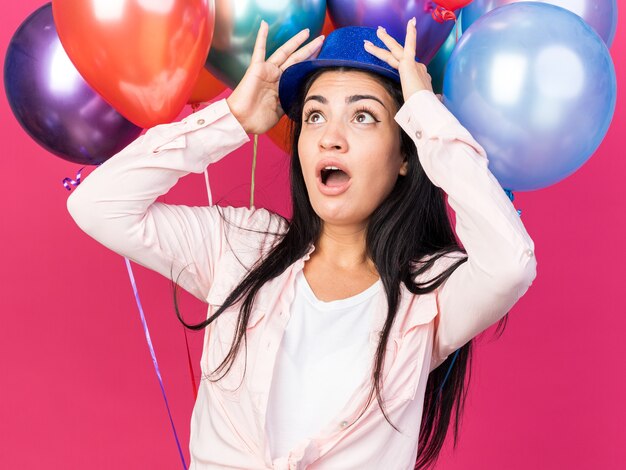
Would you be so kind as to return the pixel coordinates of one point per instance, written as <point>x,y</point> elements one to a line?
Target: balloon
<point>206,88</point>
<point>452,4</point>
<point>535,85</point>
<point>53,103</point>
<point>445,9</point>
<point>394,15</point>
<point>142,56</point>
<point>279,134</point>
<point>600,14</point>
<point>437,66</point>
<point>237,24</point>
<point>328,25</point>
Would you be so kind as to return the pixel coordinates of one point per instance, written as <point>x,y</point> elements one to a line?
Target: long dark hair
<point>414,216</point>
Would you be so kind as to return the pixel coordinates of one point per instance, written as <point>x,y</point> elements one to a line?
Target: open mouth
<point>333,176</point>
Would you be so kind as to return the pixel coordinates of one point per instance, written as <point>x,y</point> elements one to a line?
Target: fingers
<point>410,41</point>
<point>382,54</point>
<point>258,53</point>
<point>304,53</point>
<point>390,42</point>
<point>316,53</point>
<point>279,57</point>
<point>396,52</point>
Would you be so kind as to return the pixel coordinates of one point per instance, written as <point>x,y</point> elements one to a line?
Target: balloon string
<point>440,14</point>
<point>448,372</point>
<point>254,154</point>
<point>190,362</point>
<point>194,387</point>
<point>154,359</point>
<point>208,188</point>
<point>67,181</point>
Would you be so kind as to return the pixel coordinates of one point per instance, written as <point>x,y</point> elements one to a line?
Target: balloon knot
<point>440,14</point>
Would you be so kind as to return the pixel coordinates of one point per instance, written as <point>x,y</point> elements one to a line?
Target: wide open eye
<point>313,117</point>
<point>364,117</point>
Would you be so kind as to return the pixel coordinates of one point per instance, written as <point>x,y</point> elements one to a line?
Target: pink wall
<point>77,387</point>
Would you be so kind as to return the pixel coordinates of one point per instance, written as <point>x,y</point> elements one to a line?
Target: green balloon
<point>437,66</point>
<point>237,24</point>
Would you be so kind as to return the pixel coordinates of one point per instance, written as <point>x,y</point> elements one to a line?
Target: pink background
<point>77,385</point>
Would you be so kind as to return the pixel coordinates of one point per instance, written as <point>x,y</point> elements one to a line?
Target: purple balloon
<point>601,15</point>
<point>53,103</point>
<point>535,85</point>
<point>393,15</point>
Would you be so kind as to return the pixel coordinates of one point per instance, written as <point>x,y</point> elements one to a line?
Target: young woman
<point>357,314</point>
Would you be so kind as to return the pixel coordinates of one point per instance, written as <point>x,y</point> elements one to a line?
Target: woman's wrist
<point>236,112</point>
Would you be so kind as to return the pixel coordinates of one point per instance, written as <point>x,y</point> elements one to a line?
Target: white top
<point>322,359</point>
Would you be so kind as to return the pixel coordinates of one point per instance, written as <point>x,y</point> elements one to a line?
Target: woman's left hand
<point>413,75</point>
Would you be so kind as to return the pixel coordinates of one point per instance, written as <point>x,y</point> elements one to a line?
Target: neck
<point>343,247</point>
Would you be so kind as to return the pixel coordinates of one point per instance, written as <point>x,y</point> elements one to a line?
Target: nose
<point>333,137</point>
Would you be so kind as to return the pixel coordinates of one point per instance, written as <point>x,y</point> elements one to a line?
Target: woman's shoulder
<point>256,228</point>
<point>258,218</point>
<point>432,265</point>
<point>248,235</point>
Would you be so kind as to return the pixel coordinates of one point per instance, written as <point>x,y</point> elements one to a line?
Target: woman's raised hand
<point>254,102</point>
<point>413,75</point>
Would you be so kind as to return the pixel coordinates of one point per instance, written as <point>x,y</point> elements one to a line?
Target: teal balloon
<point>437,66</point>
<point>237,23</point>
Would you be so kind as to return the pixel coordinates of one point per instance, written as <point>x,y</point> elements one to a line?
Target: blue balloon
<point>535,86</point>
<point>601,15</point>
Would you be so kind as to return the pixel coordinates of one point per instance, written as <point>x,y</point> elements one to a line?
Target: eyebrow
<point>349,99</point>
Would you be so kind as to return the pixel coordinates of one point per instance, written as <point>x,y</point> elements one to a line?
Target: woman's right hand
<point>254,102</point>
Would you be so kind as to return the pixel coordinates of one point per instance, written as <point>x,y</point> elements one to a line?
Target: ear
<point>404,168</point>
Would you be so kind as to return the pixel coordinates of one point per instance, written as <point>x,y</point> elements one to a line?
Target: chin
<point>340,216</point>
<point>344,209</point>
